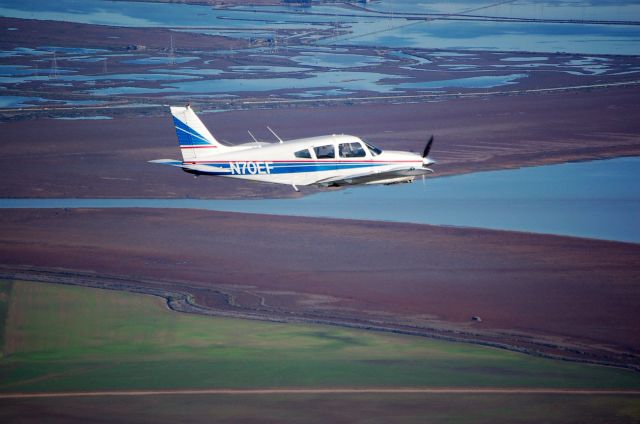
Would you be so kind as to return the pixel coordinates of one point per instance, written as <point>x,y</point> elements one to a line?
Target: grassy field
<point>72,338</point>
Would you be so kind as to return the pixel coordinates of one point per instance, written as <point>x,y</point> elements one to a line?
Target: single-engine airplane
<point>326,161</point>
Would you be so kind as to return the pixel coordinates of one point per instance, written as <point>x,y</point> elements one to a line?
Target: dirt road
<point>328,391</point>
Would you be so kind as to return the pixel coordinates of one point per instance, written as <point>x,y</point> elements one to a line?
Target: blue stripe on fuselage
<point>268,168</point>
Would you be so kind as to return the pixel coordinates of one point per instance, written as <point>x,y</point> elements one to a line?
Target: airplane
<point>324,161</point>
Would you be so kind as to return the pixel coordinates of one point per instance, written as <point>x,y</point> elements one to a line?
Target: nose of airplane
<point>426,161</point>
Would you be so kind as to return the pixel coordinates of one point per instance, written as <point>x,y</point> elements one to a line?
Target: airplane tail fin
<point>194,138</point>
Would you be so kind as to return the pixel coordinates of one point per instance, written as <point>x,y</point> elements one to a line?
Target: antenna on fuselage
<point>274,133</point>
<point>254,139</point>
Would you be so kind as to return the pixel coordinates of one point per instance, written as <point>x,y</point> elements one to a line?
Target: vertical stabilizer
<point>194,138</point>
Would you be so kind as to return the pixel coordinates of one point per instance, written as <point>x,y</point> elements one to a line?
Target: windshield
<point>375,151</point>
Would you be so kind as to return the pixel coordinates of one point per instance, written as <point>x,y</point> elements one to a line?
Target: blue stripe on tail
<point>187,136</point>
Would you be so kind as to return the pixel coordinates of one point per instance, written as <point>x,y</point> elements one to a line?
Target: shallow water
<point>501,36</point>
<point>160,60</point>
<point>84,118</point>
<point>258,69</point>
<point>19,101</point>
<point>487,81</point>
<point>332,60</point>
<point>147,14</point>
<point>534,9</point>
<point>598,199</point>
<point>373,29</point>
<point>22,101</point>
<point>345,81</point>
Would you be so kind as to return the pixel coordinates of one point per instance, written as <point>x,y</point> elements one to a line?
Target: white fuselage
<point>277,163</point>
<point>330,160</point>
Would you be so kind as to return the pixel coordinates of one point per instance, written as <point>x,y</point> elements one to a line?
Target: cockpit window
<point>325,152</point>
<point>303,154</point>
<point>351,150</point>
<point>375,151</point>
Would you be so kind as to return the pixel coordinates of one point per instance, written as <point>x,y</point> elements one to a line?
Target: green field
<point>59,338</point>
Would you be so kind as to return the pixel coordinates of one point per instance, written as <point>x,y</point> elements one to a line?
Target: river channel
<point>596,199</point>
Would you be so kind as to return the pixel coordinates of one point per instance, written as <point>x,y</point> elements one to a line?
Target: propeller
<point>427,148</point>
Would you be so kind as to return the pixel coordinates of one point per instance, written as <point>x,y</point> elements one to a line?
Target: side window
<point>303,154</point>
<point>351,150</point>
<point>325,152</point>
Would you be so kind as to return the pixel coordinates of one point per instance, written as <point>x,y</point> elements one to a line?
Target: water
<point>343,80</point>
<point>470,82</point>
<point>500,36</point>
<point>373,29</point>
<point>567,9</point>
<point>18,101</point>
<point>321,93</point>
<point>91,79</point>
<point>22,101</point>
<point>12,70</point>
<point>160,60</point>
<point>145,14</point>
<point>189,71</point>
<point>258,69</point>
<point>352,81</point>
<point>417,60</point>
<point>84,118</point>
<point>525,59</point>
<point>585,66</point>
<point>599,199</point>
<point>332,60</point>
<point>47,50</point>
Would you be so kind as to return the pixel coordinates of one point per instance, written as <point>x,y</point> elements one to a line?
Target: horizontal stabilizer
<point>171,162</point>
<point>193,168</point>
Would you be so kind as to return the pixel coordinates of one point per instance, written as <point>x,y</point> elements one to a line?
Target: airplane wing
<point>369,178</point>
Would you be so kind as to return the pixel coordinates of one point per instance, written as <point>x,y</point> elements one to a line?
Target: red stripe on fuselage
<point>306,161</point>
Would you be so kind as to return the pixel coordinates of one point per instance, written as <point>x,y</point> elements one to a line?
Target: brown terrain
<point>557,296</point>
<point>109,158</point>
<point>33,33</point>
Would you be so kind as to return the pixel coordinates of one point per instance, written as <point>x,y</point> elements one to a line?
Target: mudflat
<point>108,158</point>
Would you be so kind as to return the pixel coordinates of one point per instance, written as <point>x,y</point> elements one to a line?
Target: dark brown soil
<point>69,34</point>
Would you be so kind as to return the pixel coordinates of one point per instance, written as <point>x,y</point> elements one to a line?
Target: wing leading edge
<point>393,176</point>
